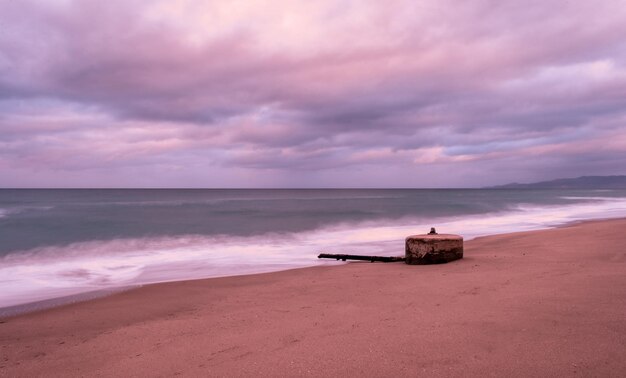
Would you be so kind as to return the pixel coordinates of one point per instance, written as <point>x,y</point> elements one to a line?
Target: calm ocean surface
<point>55,243</point>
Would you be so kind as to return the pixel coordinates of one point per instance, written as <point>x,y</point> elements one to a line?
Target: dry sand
<point>545,303</point>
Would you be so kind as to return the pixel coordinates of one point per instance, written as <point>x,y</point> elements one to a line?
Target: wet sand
<point>542,303</point>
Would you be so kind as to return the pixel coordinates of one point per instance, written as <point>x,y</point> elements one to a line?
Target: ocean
<point>69,242</point>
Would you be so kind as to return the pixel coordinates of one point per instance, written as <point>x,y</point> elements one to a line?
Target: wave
<point>174,203</point>
<point>588,198</point>
<point>44,273</point>
<point>6,211</point>
<point>49,272</point>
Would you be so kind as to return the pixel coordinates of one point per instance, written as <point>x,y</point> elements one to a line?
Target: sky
<point>325,93</point>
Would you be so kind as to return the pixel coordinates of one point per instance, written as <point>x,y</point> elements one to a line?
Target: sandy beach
<point>543,303</point>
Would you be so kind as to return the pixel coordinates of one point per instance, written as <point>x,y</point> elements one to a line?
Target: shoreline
<point>50,303</point>
<point>547,303</point>
<point>46,304</point>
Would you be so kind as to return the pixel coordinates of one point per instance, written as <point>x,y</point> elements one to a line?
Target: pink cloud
<point>320,86</point>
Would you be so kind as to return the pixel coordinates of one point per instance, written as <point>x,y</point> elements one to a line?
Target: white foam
<point>588,198</point>
<point>51,272</point>
<point>18,209</point>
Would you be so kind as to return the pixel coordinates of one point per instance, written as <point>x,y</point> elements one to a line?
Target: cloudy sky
<point>192,93</point>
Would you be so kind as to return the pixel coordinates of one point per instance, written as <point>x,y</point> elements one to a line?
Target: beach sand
<point>542,303</point>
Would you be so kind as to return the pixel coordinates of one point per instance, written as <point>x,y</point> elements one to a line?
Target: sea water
<point>55,243</point>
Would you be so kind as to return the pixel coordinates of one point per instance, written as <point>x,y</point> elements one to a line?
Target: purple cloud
<point>331,93</point>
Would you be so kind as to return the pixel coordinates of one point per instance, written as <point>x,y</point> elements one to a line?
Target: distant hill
<point>584,182</point>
